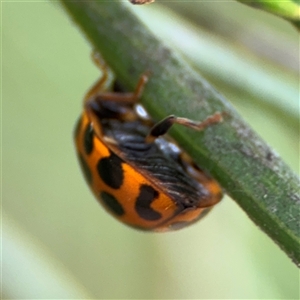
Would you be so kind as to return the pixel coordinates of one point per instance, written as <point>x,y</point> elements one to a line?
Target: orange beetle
<point>138,173</point>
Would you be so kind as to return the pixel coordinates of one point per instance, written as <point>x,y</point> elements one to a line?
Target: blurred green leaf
<point>41,274</point>
<point>288,9</point>
<point>247,168</point>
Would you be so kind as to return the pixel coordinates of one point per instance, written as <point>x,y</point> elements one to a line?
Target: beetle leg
<point>114,104</point>
<point>103,82</point>
<point>98,91</point>
<point>101,103</point>
<point>163,126</point>
<point>128,98</point>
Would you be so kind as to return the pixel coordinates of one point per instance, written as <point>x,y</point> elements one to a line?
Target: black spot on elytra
<point>88,139</point>
<point>85,169</point>
<point>110,171</point>
<point>142,206</point>
<point>112,204</point>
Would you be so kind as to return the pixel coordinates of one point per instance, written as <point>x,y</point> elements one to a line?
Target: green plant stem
<point>250,172</point>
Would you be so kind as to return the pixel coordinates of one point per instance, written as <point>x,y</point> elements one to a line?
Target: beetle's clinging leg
<point>103,82</point>
<point>100,88</point>
<point>163,126</point>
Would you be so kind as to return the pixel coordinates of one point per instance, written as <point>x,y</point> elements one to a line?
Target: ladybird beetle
<point>140,175</point>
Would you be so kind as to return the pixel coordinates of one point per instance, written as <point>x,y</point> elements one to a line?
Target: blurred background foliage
<point>56,240</point>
